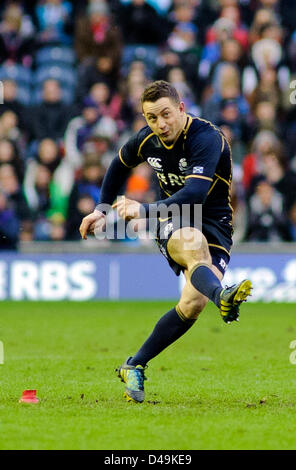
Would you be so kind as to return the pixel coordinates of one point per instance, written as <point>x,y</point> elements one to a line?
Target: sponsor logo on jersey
<point>167,229</point>
<point>223,264</point>
<point>198,170</point>
<point>155,162</point>
<point>183,164</point>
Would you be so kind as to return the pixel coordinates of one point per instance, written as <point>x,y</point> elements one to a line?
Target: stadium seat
<point>143,53</point>
<point>18,73</point>
<point>55,56</point>
<point>65,75</point>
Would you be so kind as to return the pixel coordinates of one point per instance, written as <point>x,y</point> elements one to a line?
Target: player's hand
<point>95,220</point>
<point>127,208</point>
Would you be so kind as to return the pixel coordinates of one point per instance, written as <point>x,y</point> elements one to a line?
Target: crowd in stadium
<point>72,74</point>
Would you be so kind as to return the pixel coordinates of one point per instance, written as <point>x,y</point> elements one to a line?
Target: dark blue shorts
<point>217,234</point>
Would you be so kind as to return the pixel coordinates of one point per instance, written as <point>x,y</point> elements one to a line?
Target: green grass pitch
<point>218,387</point>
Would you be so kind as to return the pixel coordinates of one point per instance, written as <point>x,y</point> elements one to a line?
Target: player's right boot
<point>133,377</point>
<point>231,298</point>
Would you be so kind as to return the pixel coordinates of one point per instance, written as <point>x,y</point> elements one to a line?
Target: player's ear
<point>182,107</point>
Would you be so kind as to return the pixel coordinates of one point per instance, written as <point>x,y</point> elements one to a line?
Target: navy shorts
<point>217,234</point>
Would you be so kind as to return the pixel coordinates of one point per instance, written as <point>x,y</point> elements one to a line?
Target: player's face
<point>165,117</point>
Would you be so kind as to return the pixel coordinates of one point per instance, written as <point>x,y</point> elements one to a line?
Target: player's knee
<point>188,246</point>
<point>191,308</point>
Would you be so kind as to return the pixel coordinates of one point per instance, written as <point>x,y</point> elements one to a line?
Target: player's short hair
<point>159,89</point>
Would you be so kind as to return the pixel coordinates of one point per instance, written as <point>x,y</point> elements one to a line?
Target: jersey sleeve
<point>204,152</point>
<point>129,152</point>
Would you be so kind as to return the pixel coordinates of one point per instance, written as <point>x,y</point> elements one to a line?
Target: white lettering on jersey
<point>155,163</point>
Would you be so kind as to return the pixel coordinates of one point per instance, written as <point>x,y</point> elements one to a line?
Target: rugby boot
<point>133,377</point>
<point>231,298</point>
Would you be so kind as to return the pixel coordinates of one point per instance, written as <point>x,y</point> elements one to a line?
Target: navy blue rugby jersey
<point>201,151</point>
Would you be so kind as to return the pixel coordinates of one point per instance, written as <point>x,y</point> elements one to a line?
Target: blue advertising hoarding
<point>132,276</point>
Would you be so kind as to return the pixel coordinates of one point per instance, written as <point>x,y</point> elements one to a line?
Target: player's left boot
<point>133,377</point>
<point>231,298</point>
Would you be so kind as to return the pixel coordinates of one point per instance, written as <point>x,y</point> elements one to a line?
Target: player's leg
<point>192,302</point>
<point>189,248</point>
<point>167,330</point>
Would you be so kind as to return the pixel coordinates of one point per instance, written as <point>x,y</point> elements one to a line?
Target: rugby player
<point>192,160</point>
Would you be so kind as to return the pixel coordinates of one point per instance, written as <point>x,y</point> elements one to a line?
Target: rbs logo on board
<point>48,280</point>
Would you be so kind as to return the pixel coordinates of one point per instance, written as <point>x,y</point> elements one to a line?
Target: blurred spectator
<point>9,224</point>
<point>84,195</point>
<point>138,184</point>
<point>103,69</point>
<point>263,142</point>
<point>50,118</point>
<point>92,116</point>
<point>265,118</point>
<point>96,35</point>
<point>89,126</point>
<point>267,221</point>
<point>177,78</point>
<point>276,171</point>
<point>48,154</point>
<point>263,16</point>
<point>45,197</point>
<point>9,155</point>
<point>57,227</point>
<point>167,59</point>
<point>266,53</point>
<point>108,103</point>
<point>37,194</point>
<point>236,128</point>
<point>132,89</point>
<point>272,5</point>
<point>11,186</point>
<point>227,87</point>
<point>182,40</point>
<point>232,53</point>
<point>183,36</point>
<point>268,89</point>
<point>88,118</point>
<point>54,21</point>
<point>137,124</point>
<point>11,102</point>
<point>231,14</point>
<point>9,130</point>
<point>16,36</point>
<point>95,125</point>
<point>141,24</point>
<point>84,206</point>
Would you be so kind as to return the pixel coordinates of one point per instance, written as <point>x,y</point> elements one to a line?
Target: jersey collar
<point>183,130</point>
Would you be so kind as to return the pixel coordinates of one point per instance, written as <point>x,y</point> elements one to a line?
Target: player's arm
<point>116,176</point>
<point>204,153</point>
<point>194,192</point>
